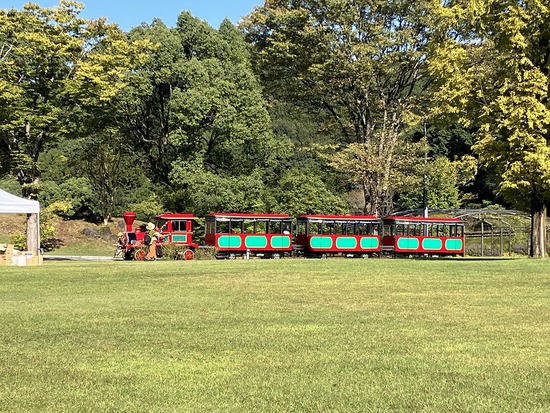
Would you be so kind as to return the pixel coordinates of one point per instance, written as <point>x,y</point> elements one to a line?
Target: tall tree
<point>362,61</point>
<point>53,63</point>
<point>196,106</point>
<point>492,63</point>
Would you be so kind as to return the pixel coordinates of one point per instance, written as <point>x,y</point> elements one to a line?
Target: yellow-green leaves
<point>53,63</point>
<point>492,71</point>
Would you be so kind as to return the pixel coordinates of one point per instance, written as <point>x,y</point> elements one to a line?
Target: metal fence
<point>498,242</point>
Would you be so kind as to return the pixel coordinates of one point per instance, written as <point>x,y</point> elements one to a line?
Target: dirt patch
<point>10,223</point>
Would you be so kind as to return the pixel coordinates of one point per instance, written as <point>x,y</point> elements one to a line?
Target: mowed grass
<point>334,335</point>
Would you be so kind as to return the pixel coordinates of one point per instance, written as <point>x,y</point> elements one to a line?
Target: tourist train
<point>247,235</point>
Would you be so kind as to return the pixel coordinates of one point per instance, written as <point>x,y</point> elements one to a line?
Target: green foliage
<point>19,240</point>
<point>326,97</point>
<point>77,192</point>
<point>172,251</point>
<point>197,101</point>
<point>55,164</point>
<point>300,192</point>
<point>47,229</point>
<point>108,168</point>
<point>493,69</point>
<point>452,141</point>
<point>147,209</point>
<point>363,63</point>
<point>48,233</point>
<point>205,192</point>
<point>54,67</point>
<point>442,187</point>
<point>9,183</point>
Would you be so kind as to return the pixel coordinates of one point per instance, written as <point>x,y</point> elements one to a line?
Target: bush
<point>175,252</point>
<point>205,254</point>
<point>147,210</point>
<point>19,240</point>
<point>473,250</point>
<point>521,249</point>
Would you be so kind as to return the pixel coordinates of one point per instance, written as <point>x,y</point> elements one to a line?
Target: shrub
<point>172,251</point>
<point>205,254</point>
<point>19,240</point>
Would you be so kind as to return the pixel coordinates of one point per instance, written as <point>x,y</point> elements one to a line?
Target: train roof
<point>419,220</point>
<point>176,216</point>
<point>237,215</point>
<point>339,217</point>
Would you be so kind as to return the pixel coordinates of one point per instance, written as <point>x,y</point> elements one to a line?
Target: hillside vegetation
<point>71,235</point>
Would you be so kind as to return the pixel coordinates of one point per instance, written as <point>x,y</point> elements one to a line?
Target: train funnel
<point>129,218</point>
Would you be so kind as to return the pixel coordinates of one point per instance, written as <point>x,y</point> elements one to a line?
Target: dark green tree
<point>196,106</point>
<point>362,63</point>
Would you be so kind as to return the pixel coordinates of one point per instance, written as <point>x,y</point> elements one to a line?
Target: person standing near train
<point>152,237</point>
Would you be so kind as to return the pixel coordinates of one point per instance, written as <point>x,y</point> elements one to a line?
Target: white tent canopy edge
<point>12,204</point>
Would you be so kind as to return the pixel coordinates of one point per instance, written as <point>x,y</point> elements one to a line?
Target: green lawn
<point>334,335</point>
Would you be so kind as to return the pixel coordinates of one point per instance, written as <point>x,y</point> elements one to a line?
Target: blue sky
<point>130,13</point>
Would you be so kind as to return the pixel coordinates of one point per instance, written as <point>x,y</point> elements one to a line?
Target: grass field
<point>276,336</point>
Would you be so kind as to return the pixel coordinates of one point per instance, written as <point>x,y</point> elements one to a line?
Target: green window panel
<point>433,244</point>
<point>369,243</point>
<point>346,243</point>
<point>255,241</point>
<point>229,241</point>
<point>453,244</point>
<point>320,242</point>
<point>408,243</point>
<point>179,238</point>
<point>280,242</point>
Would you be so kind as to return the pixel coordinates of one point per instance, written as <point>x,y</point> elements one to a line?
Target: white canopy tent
<point>11,204</point>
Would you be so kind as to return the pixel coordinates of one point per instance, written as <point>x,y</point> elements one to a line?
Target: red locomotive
<point>174,229</point>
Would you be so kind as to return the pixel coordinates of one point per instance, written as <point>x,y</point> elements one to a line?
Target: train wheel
<point>139,255</point>
<point>231,256</point>
<point>188,255</point>
<point>129,255</point>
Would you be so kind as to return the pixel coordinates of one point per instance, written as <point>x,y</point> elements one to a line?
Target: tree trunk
<point>538,229</point>
<point>33,242</point>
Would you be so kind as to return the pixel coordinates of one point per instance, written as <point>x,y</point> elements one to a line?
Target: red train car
<point>423,236</point>
<point>262,235</point>
<point>352,236</point>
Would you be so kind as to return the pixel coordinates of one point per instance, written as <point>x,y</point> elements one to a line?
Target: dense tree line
<point>332,106</point>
